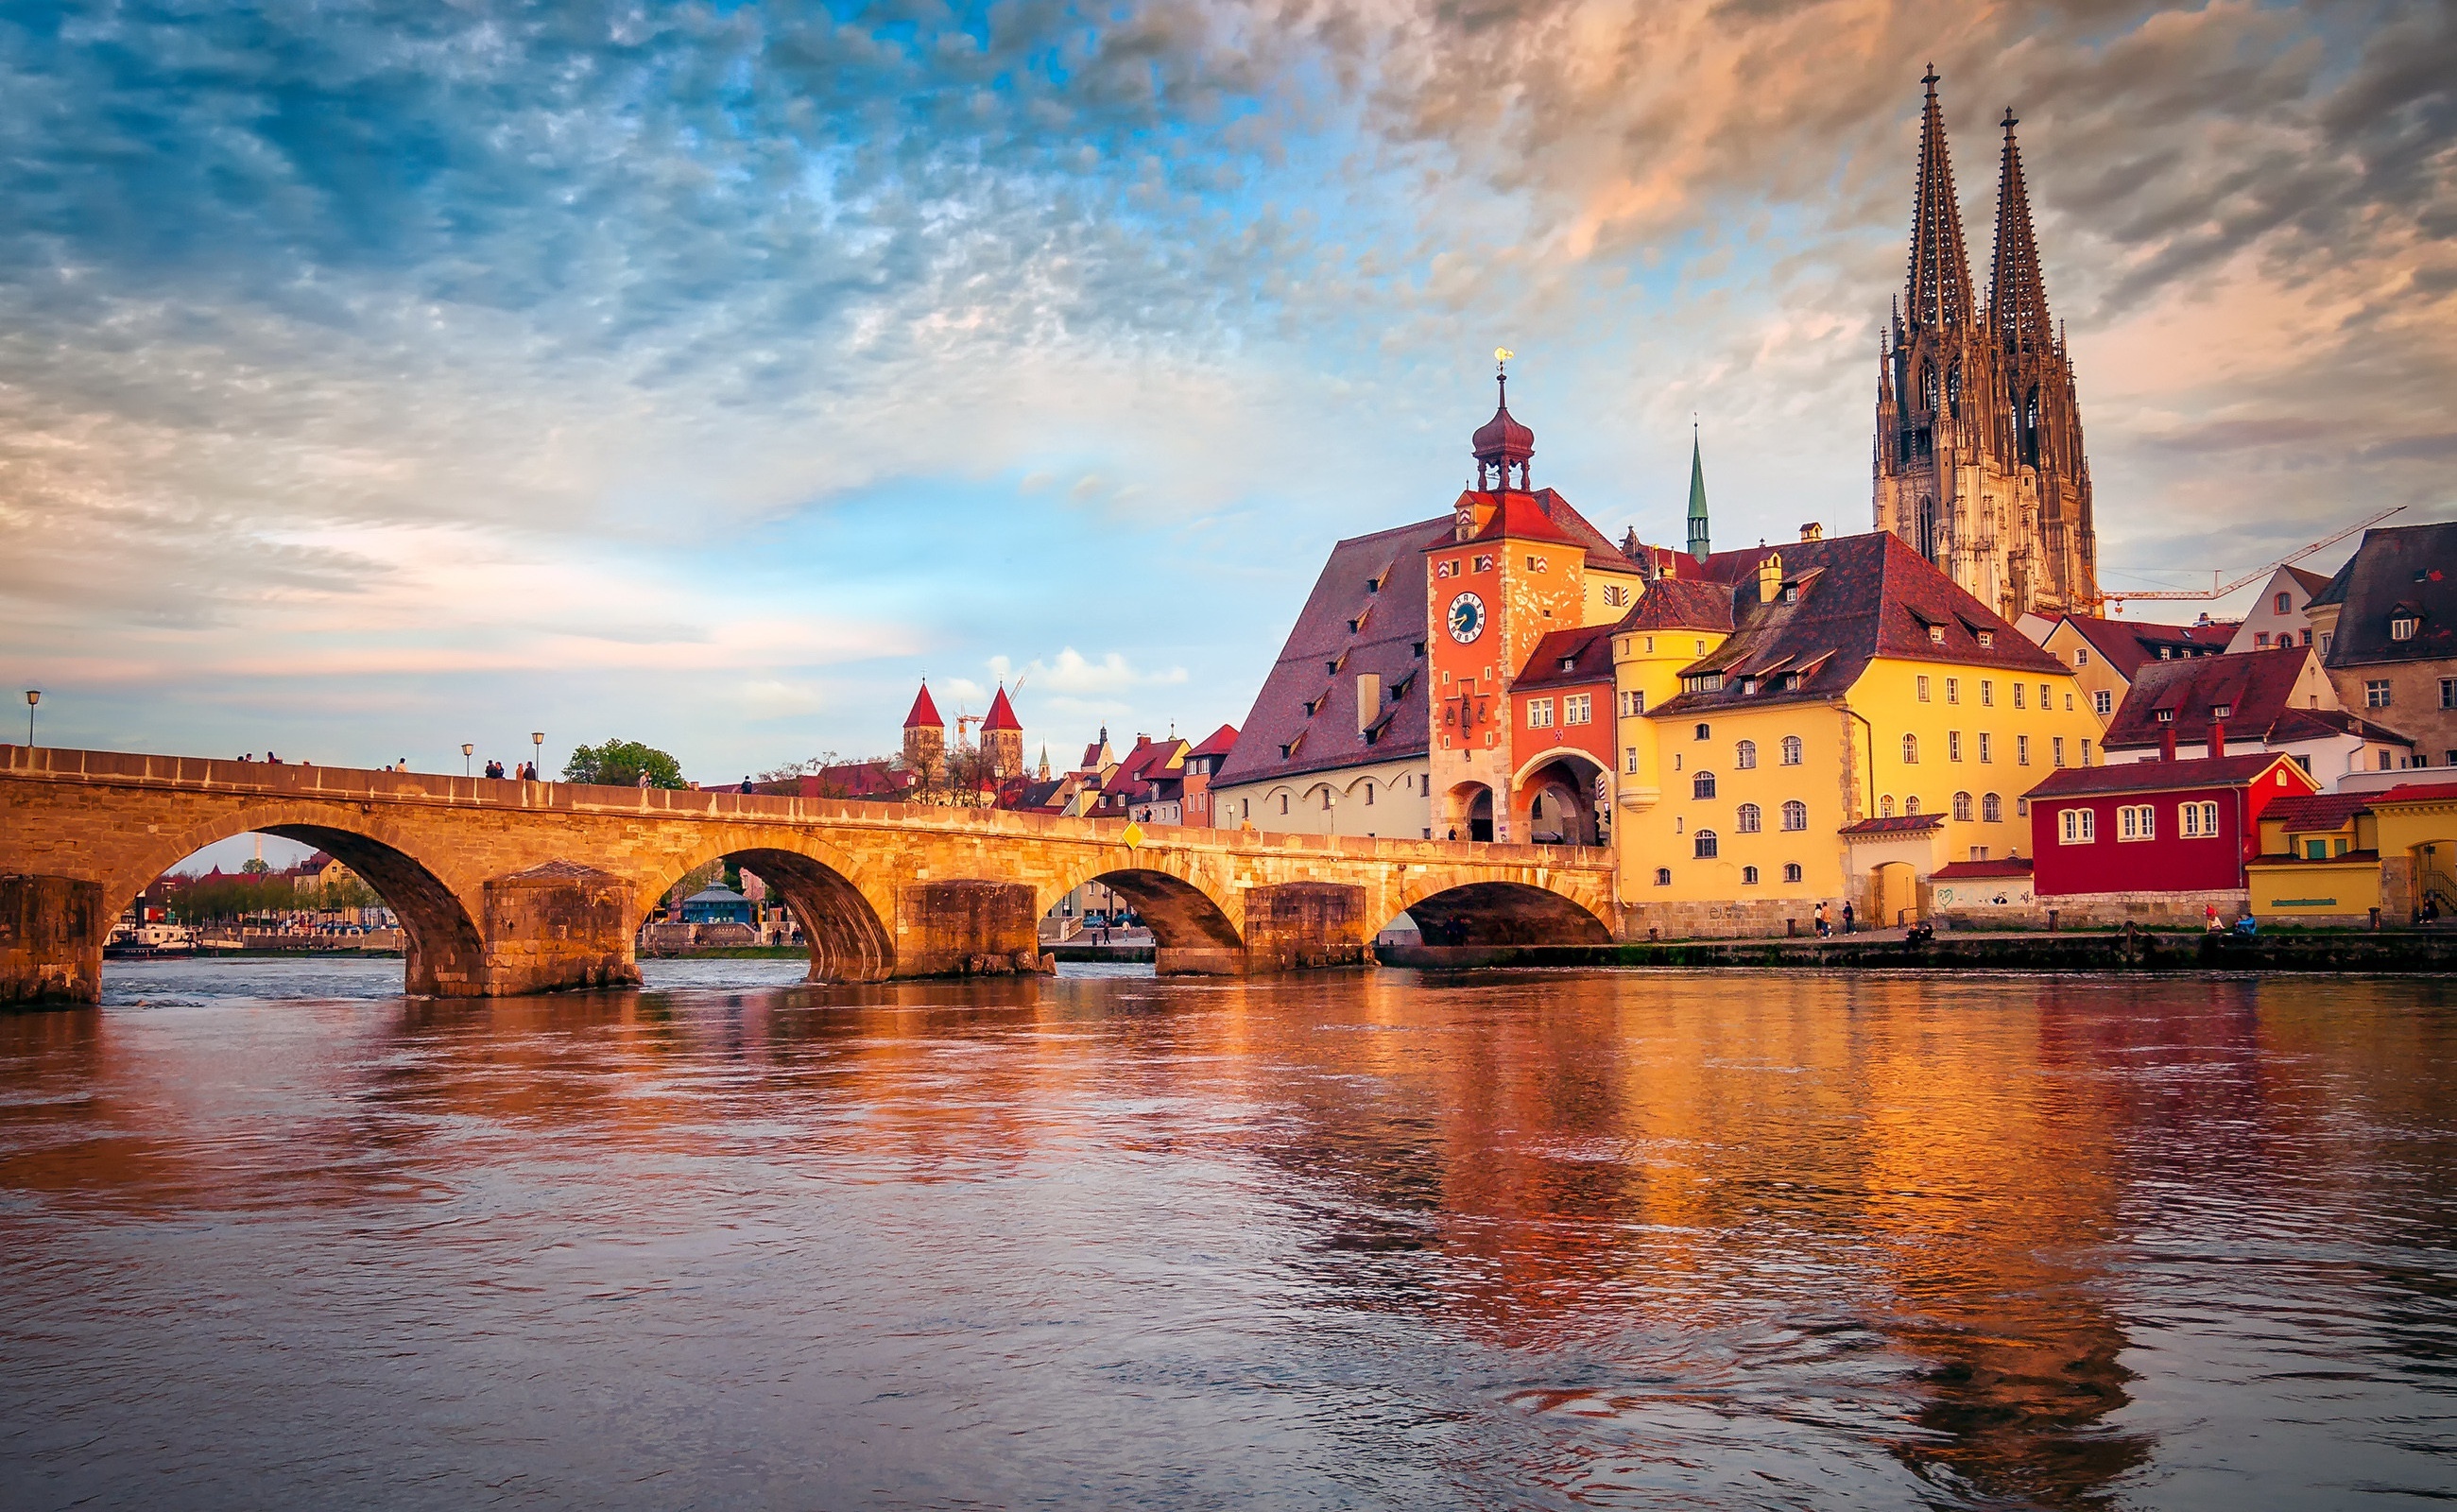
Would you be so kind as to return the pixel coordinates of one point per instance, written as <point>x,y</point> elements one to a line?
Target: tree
<point>255,866</point>
<point>619,763</point>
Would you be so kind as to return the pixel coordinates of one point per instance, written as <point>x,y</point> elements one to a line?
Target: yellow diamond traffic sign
<point>1134,835</point>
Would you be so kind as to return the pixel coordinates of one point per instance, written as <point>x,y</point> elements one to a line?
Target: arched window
<point>1991,808</point>
<point>1750,818</point>
<point>1795,815</point>
<point>1791,750</point>
<point>1926,542</point>
<point>1663,876</point>
<point>1705,847</point>
<point>1910,750</point>
<point>1703,730</point>
<point>1792,871</point>
<point>1745,756</point>
<point>1748,877</point>
<point>1703,785</point>
<point>1962,808</point>
<point>1886,807</point>
<point>1911,805</point>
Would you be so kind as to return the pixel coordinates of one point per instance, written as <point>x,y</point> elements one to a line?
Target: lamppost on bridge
<point>537,763</point>
<point>466,748</point>
<point>34,697</point>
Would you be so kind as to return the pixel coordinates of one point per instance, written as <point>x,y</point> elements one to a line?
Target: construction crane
<point>965,722</point>
<point>2218,589</point>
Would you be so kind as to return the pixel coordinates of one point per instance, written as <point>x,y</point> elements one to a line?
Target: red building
<point>1562,700</point>
<point>2156,827</point>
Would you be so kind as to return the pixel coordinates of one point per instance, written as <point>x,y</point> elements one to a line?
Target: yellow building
<point>2333,857</point>
<point>1853,722</point>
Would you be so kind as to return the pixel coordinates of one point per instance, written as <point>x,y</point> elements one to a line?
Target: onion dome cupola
<point>1501,443</point>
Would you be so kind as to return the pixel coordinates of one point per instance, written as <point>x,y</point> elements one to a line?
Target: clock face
<point>1466,617</point>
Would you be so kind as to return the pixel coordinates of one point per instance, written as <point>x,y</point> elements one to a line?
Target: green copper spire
<point>1697,546</point>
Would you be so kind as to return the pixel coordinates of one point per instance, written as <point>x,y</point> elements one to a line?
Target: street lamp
<point>465,749</point>
<point>34,697</point>
<point>537,763</point>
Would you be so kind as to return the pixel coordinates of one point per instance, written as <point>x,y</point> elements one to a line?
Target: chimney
<point>1813,530</point>
<point>1369,700</point>
<point>2166,742</point>
<point>2218,738</point>
<point>1770,577</point>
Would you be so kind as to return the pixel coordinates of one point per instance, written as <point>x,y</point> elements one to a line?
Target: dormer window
<point>2166,717</point>
<point>2403,627</point>
<point>1748,685</point>
<point>2220,711</point>
<point>1569,663</point>
<point>1936,635</point>
<point>1791,593</point>
<point>1986,637</point>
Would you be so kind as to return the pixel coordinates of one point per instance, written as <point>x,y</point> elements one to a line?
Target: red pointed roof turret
<point>925,714</point>
<point>1002,715</point>
<point>1501,443</point>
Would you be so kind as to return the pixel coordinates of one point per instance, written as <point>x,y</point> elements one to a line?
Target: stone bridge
<point>504,886</point>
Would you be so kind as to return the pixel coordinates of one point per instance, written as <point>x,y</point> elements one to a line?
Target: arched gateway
<point>508,887</point>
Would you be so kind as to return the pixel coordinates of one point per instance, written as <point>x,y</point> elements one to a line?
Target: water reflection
<point>1534,1239</point>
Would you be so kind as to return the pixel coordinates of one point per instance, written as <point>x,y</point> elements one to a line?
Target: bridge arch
<point>1450,911</point>
<point>843,920</point>
<point>1181,906</point>
<point>442,947</point>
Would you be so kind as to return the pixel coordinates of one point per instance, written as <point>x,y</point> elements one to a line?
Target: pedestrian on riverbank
<point>1824,925</point>
<point>1847,923</point>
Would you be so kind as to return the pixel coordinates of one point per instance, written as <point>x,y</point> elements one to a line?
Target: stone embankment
<point>2144,951</point>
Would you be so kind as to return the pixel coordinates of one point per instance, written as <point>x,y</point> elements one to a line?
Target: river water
<point>277,1235</point>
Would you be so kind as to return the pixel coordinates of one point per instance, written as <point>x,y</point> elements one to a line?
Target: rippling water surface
<point>277,1235</point>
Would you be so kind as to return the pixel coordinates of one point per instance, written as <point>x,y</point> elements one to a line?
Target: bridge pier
<point>1290,926</point>
<point>52,931</point>
<point>967,929</point>
<point>554,926</point>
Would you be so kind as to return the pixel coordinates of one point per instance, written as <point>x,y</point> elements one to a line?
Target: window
<point>1705,733</point>
<point>1991,809</point>
<point>2261,638</point>
<point>1537,564</point>
<point>1749,820</point>
<point>2448,692</point>
<point>2163,715</point>
<point>1923,688</point>
<point>1910,750</point>
<point>1745,756</point>
<point>2327,637</point>
<point>1629,759</point>
<point>1987,638</point>
<point>2316,850</point>
<point>1616,595</point>
<point>2085,751</point>
<point>1886,807</point>
<point>2046,699</point>
<point>2022,808</point>
<point>2081,657</point>
<point>1953,689</point>
<point>1962,808</point>
<point>2077,826</point>
<point>1987,747</point>
<point>1539,714</point>
<point>1936,635</point>
<point>1792,871</point>
<point>1703,785</point>
<point>1703,846</point>
<point>1987,693</point>
<point>1245,808</point>
<point>2021,749</point>
<point>1484,564</point>
<point>1748,877</point>
<point>1795,815</point>
<point>1369,794</point>
<point>2102,703</point>
<point>1663,876</point>
<point>1792,743</point>
<point>1953,745</point>
<point>2376,693</point>
<point>2282,605</point>
<point>1911,805</point>
<point>2200,820</point>
<point>1633,704</point>
<point>1579,708</point>
<point>2056,749</point>
<point>2017,696</point>
<point>1284,803</point>
<point>1325,798</point>
<point>1449,568</point>
<point>2222,710</point>
<point>2307,636</point>
<point>2136,823</point>
<point>2402,627</point>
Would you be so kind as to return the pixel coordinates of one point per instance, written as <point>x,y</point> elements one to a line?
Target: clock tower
<point>1508,574</point>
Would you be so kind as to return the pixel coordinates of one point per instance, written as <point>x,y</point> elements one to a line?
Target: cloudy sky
<point>376,377</point>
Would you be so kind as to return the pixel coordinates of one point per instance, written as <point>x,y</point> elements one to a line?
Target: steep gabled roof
<point>1860,597</point>
<point>2128,645</point>
<point>2253,685</point>
<point>1391,620</point>
<point>2168,777</point>
<point>2308,582</point>
<point>925,714</point>
<point>2407,569</point>
<point>1217,743</point>
<point>1588,654</point>
<point>2318,811</point>
<point>1682,603</point>
<point>1002,715</point>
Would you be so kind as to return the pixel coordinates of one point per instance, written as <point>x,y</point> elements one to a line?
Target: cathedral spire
<point>1697,546</point>
<point>2018,297</point>
<point>1940,285</point>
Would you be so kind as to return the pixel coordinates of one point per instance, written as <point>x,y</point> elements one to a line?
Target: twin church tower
<point>1979,462</point>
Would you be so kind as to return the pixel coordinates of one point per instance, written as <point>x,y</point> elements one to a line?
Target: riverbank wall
<point>2143,950</point>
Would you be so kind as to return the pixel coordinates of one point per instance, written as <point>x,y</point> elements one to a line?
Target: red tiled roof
<point>1589,652</point>
<point>2010,866</point>
<point>2129,644</point>
<point>2418,793</point>
<point>1002,715</point>
<point>1682,603</point>
<point>2254,685</point>
<point>848,780</point>
<point>925,714</point>
<point>1894,824</point>
<point>1519,516</point>
<point>1386,644</point>
<point>2317,724</point>
<point>1217,743</point>
<point>2168,777</point>
<point>2318,811</point>
<point>1861,597</point>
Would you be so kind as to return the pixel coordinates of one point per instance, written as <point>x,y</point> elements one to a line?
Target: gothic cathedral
<point>1979,461</point>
